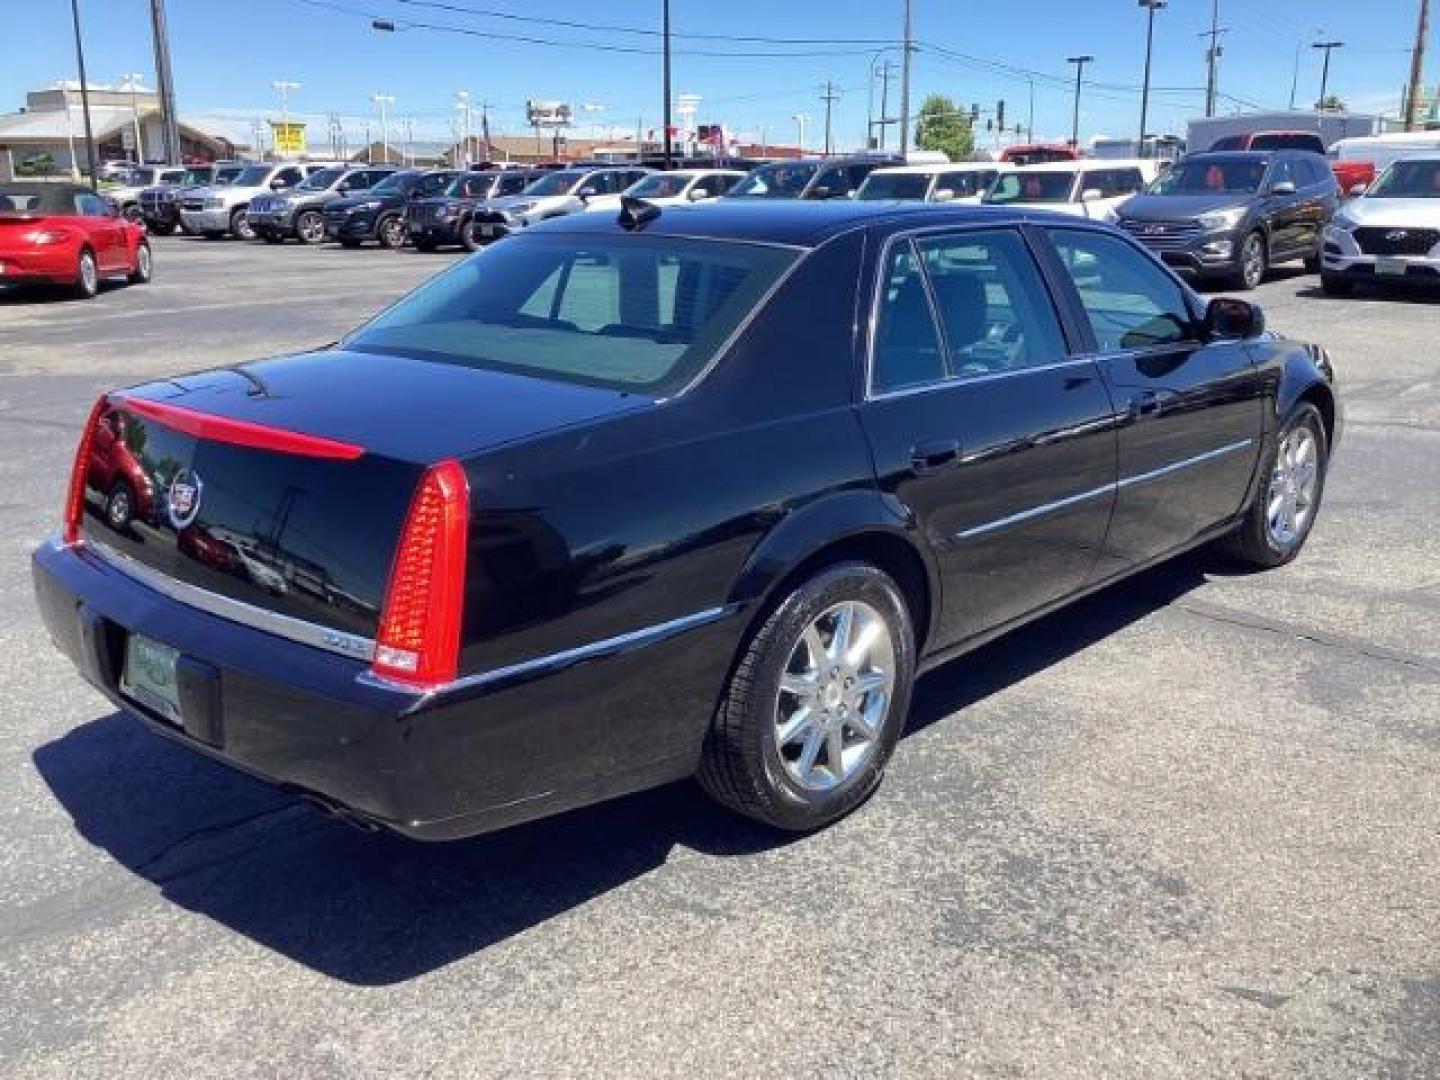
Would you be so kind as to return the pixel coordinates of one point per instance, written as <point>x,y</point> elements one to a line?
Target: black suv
<point>445,219</point>
<point>1234,215</point>
<point>809,178</point>
<point>300,211</point>
<point>379,214</point>
<point>160,205</point>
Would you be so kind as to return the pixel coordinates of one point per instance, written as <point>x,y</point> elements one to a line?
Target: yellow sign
<point>288,137</point>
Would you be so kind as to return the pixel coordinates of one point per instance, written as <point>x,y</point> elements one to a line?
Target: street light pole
<point>909,47</point>
<point>128,82</point>
<point>1079,62</point>
<point>84,97</point>
<point>1150,6</point>
<point>829,97</point>
<point>665,31</point>
<point>382,100</point>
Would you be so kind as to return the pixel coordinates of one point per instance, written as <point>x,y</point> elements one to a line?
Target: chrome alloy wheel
<point>1252,260</point>
<point>1293,484</point>
<point>310,227</point>
<point>834,693</point>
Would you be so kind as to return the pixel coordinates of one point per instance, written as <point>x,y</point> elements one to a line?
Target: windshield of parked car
<point>1034,187</point>
<point>778,181</point>
<point>253,176</point>
<point>395,184</point>
<point>1211,176</point>
<point>1288,140</point>
<point>629,313</point>
<point>660,186</point>
<point>555,183</point>
<point>1408,180</point>
<point>461,185</point>
<point>320,179</point>
<point>883,185</point>
<point>140,178</point>
<point>224,177</point>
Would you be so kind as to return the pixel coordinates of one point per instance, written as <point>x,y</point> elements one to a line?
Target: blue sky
<point>227,54</point>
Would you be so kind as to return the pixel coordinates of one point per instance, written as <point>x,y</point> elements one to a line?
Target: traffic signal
<point>1000,114</point>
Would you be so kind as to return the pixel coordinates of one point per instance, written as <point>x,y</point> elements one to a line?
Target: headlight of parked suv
<point>1216,220</point>
<point>216,203</point>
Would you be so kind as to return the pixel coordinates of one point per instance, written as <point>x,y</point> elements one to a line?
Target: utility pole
<point>1079,62</point>
<point>84,97</point>
<point>829,97</point>
<point>1328,46</point>
<point>1417,66</point>
<point>1030,121</point>
<point>1150,6</point>
<point>1212,57</point>
<point>165,83</point>
<point>909,47</point>
<point>382,100</point>
<point>665,49</point>
<point>128,82</point>
<point>485,131</point>
<point>885,69</point>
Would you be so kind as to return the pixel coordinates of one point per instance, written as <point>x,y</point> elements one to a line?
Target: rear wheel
<point>816,703</point>
<point>240,224</point>
<point>470,235</point>
<point>391,232</point>
<point>87,275</point>
<point>1279,521</point>
<point>144,265</point>
<point>310,227</point>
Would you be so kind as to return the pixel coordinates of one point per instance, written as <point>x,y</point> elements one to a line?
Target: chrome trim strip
<point>1095,493</point>
<point>1185,463</point>
<point>339,642</point>
<point>1034,512</point>
<point>543,665</point>
<point>970,380</point>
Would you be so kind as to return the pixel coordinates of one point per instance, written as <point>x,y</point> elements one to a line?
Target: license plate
<point>149,676</point>
<point>1389,266</point>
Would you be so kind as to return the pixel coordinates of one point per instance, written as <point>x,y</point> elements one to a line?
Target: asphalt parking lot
<point>1190,827</point>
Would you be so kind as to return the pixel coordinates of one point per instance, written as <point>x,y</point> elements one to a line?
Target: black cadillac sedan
<point>692,492</point>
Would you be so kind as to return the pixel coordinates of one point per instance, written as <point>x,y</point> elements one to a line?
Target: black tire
<point>310,227</point>
<point>144,265</point>
<point>87,275</point>
<point>741,765</point>
<point>390,231</point>
<point>240,224</point>
<point>469,236</point>
<point>1254,543</point>
<point>1336,284</point>
<point>1251,261</point>
<point>349,242</point>
<point>120,507</point>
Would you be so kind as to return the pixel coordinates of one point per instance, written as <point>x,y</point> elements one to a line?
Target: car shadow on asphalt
<point>373,909</point>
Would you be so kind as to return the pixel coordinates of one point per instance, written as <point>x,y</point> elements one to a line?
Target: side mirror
<point>1093,194</point>
<point>1229,319</point>
<point>1356,190</point>
<point>1284,187</point>
<point>695,194</point>
<point>943,194</point>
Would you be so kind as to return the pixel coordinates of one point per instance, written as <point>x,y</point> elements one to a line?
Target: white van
<point>1087,188</point>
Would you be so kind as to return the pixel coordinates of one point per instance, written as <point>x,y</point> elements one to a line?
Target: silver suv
<point>214,211</point>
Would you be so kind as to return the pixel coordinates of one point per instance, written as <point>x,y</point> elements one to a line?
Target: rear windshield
<point>628,313</point>
<point>882,185</point>
<point>1036,187</point>
<point>1288,140</point>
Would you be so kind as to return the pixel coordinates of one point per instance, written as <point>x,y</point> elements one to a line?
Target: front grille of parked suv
<point>1161,235</point>
<point>1381,241</point>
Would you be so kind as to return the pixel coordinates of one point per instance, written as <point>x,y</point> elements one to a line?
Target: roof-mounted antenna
<point>636,213</point>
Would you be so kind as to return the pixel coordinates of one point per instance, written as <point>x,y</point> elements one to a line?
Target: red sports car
<point>65,234</point>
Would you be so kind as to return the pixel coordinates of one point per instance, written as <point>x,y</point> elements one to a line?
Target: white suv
<point>961,182</point>
<point>214,211</point>
<point>565,191</point>
<point>1090,189</point>
<point>1389,234</point>
<point>680,186</point>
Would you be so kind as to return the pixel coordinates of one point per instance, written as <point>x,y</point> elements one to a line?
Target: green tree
<point>1331,103</point>
<point>942,126</point>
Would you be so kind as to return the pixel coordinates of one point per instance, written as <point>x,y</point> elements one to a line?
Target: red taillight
<point>419,639</point>
<point>75,500</point>
<point>222,429</point>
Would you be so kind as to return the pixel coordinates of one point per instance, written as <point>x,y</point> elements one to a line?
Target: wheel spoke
<point>866,681</point>
<point>810,751</point>
<point>864,641</point>
<point>815,647</point>
<point>800,720</point>
<point>835,752</point>
<point>801,684</point>
<point>861,721</point>
<point>840,639</point>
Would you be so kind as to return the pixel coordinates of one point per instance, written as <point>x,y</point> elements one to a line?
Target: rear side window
<point>1129,301</point>
<point>631,313</point>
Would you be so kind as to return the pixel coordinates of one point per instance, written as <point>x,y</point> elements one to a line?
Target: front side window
<point>1212,176</point>
<point>891,185</point>
<point>287,178</point>
<point>778,181</point>
<point>660,186</point>
<point>1032,187</point>
<point>513,184</point>
<point>1129,301</point>
<point>716,184</point>
<point>627,313</point>
<point>963,185</point>
<point>322,179</point>
<point>994,308</point>
<point>831,184</point>
<point>556,183</point>
<point>1283,172</point>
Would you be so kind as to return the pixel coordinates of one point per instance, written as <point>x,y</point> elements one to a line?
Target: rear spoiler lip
<point>224,429</point>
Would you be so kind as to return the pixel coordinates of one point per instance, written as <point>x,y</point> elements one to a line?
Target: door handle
<point>933,455</point>
<point>1146,403</point>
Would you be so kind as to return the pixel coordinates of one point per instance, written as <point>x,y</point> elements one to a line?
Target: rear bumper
<point>480,755</point>
<point>52,263</point>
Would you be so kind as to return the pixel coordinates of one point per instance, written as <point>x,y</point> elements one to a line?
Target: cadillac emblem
<point>182,502</point>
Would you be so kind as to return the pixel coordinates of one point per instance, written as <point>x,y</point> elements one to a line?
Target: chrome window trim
<point>911,236</point>
<point>1097,492</point>
<point>352,646</point>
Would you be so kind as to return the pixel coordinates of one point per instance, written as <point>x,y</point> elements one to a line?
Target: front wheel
<point>144,265</point>
<point>1279,521</point>
<point>816,702</point>
<point>240,224</point>
<point>470,235</point>
<point>391,232</point>
<point>310,227</point>
<point>1251,261</point>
